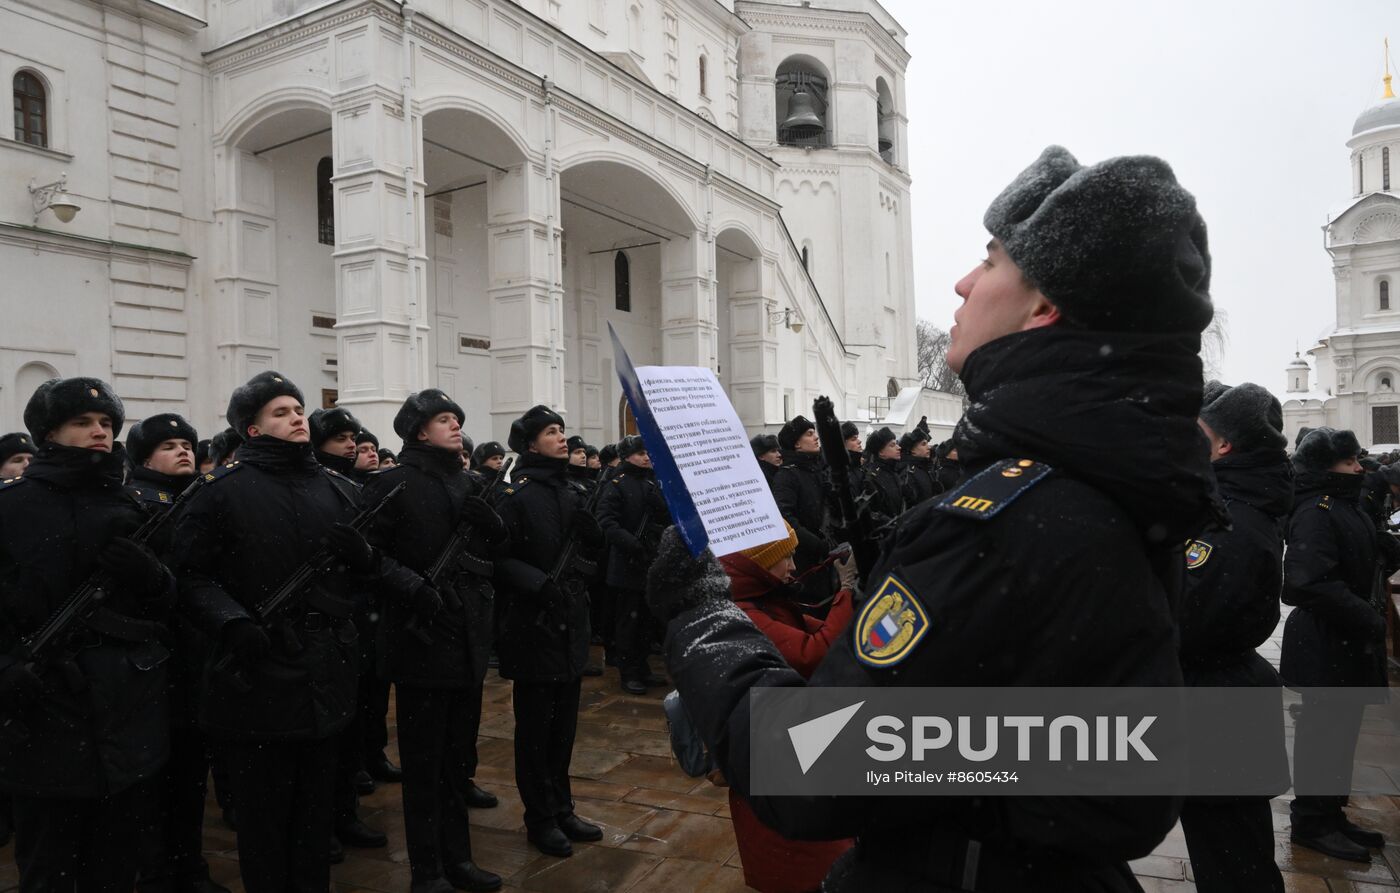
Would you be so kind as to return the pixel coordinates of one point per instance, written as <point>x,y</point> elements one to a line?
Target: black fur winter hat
<point>878,440</point>
<point>222,445</point>
<point>797,426</point>
<point>1302,432</point>
<point>607,454</point>
<point>420,408</point>
<point>849,430</point>
<point>366,436</point>
<point>327,423</point>
<point>526,428</point>
<point>1246,415</point>
<point>764,443</point>
<point>630,446</point>
<point>486,451</point>
<point>60,399</point>
<point>151,432</point>
<point>260,390</point>
<point>1324,447</point>
<point>577,443</point>
<point>1118,246</point>
<point>14,444</point>
<point>912,438</point>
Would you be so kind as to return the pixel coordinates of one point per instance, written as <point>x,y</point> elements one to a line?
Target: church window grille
<point>1384,294</point>
<point>325,203</point>
<point>31,110</point>
<point>1385,168</point>
<point>622,282</point>
<point>1385,424</point>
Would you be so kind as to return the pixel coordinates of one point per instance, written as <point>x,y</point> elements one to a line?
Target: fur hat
<point>878,440</point>
<point>607,454</point>
<point>366,436</point>
<point>486,451</point>
<point>327,423</point>
<point>421,408</point>
<point>60,399</point>
<point>849,430</point>
<point>1324,447</point>
<point>223,445</point>
<point>764,443</point>
<point>151,432</point>
<point>1118,246</point>
<point>260,390</point>
<point>590,450</point>
<point>14,444</point>
<point>789,434</point>
<point>576,443</point>
<point>387,455</point>
<point>467,446</point>
<point>1302,432</point>
<point>525,429</point>
<point>912,438</point>
<point>630,445</point>
<point>1246,415</point>
<point>768,554</point>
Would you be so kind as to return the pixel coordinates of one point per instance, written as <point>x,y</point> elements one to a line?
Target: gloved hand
<point>426,602</point>
<point>677,581</point>
<point>246,641</point>
<point>589,533</point>
<point>133,565</point>
<point>847,571</point>
<point>19,687</point>
<point>351,547</point>
<point>629,543</point>
<point>483,519</point>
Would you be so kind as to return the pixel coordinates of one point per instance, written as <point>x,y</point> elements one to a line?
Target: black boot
<point>1333,843</point>
<point>1370,839</point>
<point>479,799</point>
<point>380,769</point>
<point>362,783</point>
<point>548,839</point>
<point>576,828</point>
<point>470,876</point>
<point>633,684</point>
<point>355,833</point>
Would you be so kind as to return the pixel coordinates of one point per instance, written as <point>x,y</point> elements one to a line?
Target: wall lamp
<point>789,319</point>
<point>55,197</point>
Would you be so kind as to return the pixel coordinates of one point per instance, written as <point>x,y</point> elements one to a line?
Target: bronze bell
<point>803,120</point>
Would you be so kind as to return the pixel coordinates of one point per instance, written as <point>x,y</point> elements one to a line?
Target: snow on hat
<point>1324,447</point>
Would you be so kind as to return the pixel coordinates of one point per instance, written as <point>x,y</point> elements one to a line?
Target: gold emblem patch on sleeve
<point>1197,554</point>
<point>890,625</point>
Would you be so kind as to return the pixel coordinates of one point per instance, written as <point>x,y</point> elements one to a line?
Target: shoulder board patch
<point>514,486</point>
<point>1197,554</point>
<point>10,482</point>
<point>890,625</point>
<point>222,472</point>
<point>1325,503</point>
<point>986,494</point>
<point>153,494</point>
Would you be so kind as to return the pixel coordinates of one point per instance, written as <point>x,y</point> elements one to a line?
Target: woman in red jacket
<point>760,580</point>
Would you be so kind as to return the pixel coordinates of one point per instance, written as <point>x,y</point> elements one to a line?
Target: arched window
<point>1385,168</point>
<point>704,76</point>
<point>884,120</point>
<point>800,93</point>
<point>622,282</point>
<point>634,29</point>
<point>1384,294</point>
<point>31,110</point>
<point>325,203</point>
<point>1385,382</point>
<point>1360,173</point>
<point>892,389</point>
<point>806,259</point>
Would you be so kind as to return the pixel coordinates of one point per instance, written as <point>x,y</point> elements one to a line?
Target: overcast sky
<point>1251,102</point>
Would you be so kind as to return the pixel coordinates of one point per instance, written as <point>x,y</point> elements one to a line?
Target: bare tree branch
<point>931,347</point>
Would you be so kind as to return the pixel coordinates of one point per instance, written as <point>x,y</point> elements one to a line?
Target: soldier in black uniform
<point>334,433</point>
<point>1062,577</point>
<point>918,481</point>
<point>161,449</point>
<point>366,454</point>
<point>1334,637</point>
<point>275,707</point>
<point>487,458</point>
<point>632,513</point>
<point>595,463</point>
<point>16,452</point>
<point>578,465</point>
<point>600,602</point>
<point>387,459</point>
<point>1234,575</point>
<point>437,682</point>
<point>946,466</point>
<point>543,643</point>
<point>84,730</point>
<point>769,455</point>
<point>801,490</point>
<point>855,449</point>
<point>880,477</point>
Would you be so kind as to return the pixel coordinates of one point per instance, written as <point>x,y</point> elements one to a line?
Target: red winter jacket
<point>772,863</point>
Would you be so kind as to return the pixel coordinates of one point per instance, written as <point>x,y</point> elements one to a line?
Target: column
<point>687,303</point>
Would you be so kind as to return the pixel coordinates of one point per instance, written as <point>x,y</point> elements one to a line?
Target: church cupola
<point>1299,375</point>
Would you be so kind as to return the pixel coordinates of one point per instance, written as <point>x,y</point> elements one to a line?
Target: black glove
<point>677,581</point>
<point>19,687</point>
<point>246,641</point>
<point>629,543</point>
<point>484,519</point>
<point>352,548</point>
<point>426,602</point>
<point>133,565</point>
<point>589,533</point>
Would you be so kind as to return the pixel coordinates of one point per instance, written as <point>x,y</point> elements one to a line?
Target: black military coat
<point>919,482</point>
<point>102,739</point>
<point>235,542</point>
<point>632,513</point>
<point>544,634</point>
<point>413,529</point>
<point>1335,635</point>
<point>881,479</point>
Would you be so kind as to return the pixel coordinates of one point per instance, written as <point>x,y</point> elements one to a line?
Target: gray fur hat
<point>1324,447</point>
<point>1118,246</point>
<point>60,399</point>
<point>260,390</point>
<point>1246,415</point>
<point>152,431</point>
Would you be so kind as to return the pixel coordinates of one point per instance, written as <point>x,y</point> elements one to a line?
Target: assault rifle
<point>43,647</point>
<point>568,554</point>
<point>452,553</point>
<point>855,524</point>
<point>267,613</point>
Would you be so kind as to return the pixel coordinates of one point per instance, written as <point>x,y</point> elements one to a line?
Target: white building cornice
<point>769,16</point>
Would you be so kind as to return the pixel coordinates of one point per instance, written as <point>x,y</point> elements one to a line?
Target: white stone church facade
<point>376,196</point>
<point>1354,379</point>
